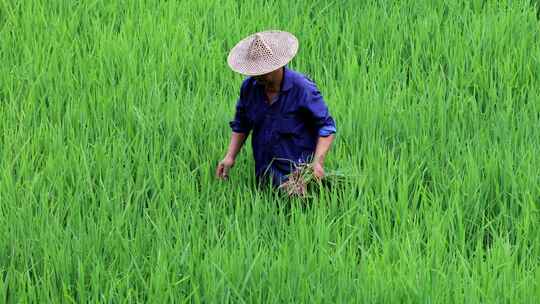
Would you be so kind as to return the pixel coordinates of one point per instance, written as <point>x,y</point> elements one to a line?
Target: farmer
<point>283,109</point>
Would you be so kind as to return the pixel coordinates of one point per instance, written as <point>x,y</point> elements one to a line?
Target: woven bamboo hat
<point>262,52</point>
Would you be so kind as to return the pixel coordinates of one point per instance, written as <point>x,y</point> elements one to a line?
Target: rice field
<point>114,114</point>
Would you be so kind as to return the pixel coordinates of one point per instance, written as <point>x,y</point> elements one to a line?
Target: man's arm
<point>316,106</point>
<point>241,127</point>
<point>323,145</point>
<point>237,141</point>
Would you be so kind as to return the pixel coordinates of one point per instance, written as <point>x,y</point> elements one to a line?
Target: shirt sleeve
<point>315,105</point>
<point>241,122</point>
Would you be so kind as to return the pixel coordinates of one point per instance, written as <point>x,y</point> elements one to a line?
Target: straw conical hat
<point>263,52</point>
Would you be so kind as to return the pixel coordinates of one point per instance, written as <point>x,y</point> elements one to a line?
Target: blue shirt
<point>286,131</point>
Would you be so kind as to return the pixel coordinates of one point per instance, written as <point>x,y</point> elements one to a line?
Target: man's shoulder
<point>246,86</point>
<point>302,81</point>
<point>247,82</point>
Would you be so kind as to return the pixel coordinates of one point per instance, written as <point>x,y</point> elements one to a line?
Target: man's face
<point>264,79</point>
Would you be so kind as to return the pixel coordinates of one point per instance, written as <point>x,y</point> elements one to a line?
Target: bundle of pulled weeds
<point>302,179</point>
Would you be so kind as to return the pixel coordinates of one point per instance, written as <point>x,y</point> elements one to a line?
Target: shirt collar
<point>287,81</point>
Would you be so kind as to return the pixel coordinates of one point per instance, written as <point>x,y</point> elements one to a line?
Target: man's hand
<point>222,170</point>
<point>323,145</point>
<point>318,170</point>
<point>237,141</point>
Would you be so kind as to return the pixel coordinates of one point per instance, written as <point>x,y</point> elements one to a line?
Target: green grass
<point>113,115</point>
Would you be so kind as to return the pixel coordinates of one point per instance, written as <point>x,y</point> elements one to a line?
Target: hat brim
<point>284,47</point>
